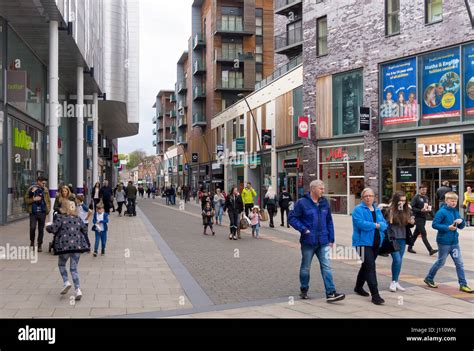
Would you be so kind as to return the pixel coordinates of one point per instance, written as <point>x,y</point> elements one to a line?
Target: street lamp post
<point>209,156</point>
<point>259,144</point>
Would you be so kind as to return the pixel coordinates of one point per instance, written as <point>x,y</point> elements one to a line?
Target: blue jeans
<point>455,252</point>
<point>219,212</point>
<point>256,230</point>
<point>397,258</point>
<point>322,252</point>
<point>102,237</point>
<point>62,260</point>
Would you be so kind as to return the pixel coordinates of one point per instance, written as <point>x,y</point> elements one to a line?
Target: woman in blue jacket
<point>368,232</point>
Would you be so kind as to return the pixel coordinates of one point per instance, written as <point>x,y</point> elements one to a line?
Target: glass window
<point>258,25</point>
<point>469,164</point>
<point>26,80</point>
<point>242,127</point>
<point>259,53</point>
<point>347,97</point>
<point>392,17</point>
<point>434,11</point>
<point>258,76</point>
<point>322,45</point>
<point>468,82</point>
<point>295,33</point>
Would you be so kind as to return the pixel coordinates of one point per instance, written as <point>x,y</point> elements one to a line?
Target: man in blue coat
<point>312,217</point>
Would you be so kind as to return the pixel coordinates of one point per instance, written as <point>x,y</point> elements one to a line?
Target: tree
<point>135,158</point>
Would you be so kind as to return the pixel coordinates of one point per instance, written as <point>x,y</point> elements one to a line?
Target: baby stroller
<point>51,243</point>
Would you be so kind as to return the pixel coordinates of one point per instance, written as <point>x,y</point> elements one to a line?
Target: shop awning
<point>114,121</point>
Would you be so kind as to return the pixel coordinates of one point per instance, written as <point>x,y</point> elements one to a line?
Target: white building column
<point>95,141</point>
<point>53,78</point>
<point>80,130</point>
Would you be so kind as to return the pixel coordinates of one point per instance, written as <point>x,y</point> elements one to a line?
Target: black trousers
<point>283,210</point>
<point>420,229</point>
<point>367,272</point>
<point>120,204</point>
<point>131,207</point>
<point>37,219</point>
<point>248,208</point>
<point>234,218</point>
<point>271,212</point>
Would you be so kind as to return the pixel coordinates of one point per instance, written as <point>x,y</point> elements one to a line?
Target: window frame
<point>427,3</point>
<point>318,38</point>
<point>387,15</point>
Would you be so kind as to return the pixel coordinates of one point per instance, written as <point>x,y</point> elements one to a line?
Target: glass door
<point>452,176</point>
<point>430,178</point>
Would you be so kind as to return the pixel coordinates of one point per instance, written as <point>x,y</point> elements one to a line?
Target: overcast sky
<point>165,27</point>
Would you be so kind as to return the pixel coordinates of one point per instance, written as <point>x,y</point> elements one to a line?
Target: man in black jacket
<point>106,194</point>
<point>421,207</point>
<point>234,207</point>
<point>284,203</point>
<point>442,191</point>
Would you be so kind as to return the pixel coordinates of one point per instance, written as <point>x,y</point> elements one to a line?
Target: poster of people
<point>441,83</point>
<point>469,79</point>
<point>399,104</point>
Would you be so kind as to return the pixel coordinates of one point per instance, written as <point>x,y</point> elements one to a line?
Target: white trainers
<point>66,288</point>
<point>393,286</point>
<point>399,287</point>
<point>78,294</point>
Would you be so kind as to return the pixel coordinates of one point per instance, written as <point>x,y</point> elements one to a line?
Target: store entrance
<point>433,178</point>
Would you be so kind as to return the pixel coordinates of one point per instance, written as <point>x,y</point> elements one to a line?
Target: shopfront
<point>341,168</point>
<point>290,172</point>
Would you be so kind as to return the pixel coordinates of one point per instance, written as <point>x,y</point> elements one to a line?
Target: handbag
<point>389,244</point>
<point>244,224</point>
<point>264,215</point>
<point>470,208</point>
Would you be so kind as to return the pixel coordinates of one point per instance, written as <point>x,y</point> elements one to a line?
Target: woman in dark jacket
<point>270,203</point>
<point>95,194</point>
<point>70,240</point>
<point>234,207</point>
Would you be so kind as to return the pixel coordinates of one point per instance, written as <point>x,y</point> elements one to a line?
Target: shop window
<point>392,17</point>
<point>469,161</point>
<point>433,11</point>
<point>347,97</point>
<point>468,75</point>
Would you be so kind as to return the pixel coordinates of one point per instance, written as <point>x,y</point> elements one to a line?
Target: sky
<point>165,27</point>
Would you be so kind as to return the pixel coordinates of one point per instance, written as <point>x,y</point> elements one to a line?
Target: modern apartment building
<point>288,30</point>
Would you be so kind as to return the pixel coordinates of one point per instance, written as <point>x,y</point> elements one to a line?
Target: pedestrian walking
<point>63,197</point>
<point>468,206</point>
<point>148,192</point>
<point>207,215</point>
<point>95,194</point>
<point>172,194</point>
<point>101,220</point>
<point>120,196</point>
<point>247,197</point>
<point>312,218</point>
<point>219,203</point>
<point>270,203</point>
<point>441,192</point>
<point>131,194</point>
<point>234,207</point>
<point>284,203</point>
<point>153,192</point>
<point>447,222</point>
<point>84,212</point>
<point>421,207</point>
<point>399,217</point>
<point>106,196</point>
<point>369,227</point>
<point>70,241</point>
<point>38,205</point>
<point>255,220</point>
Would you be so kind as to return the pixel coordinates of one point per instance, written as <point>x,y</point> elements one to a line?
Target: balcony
<point>172,113</point>
<point>232,28</point>
<point>159,113</point>
<point>170,139</point>
<point>289,43</point>
<point>182,141</point>
<point>226,56</point>
<point>280,71</point>
<point>199,41</point>
<point>284,7</point>
<point>154,120</point>
<point>154,131</point>
<point>232,85</point>
<point>199,120</point>
<point>154,143</point>
<point>199,67</point>
<point>182,104</point>
<point>172,129</point>
<point>172,98</point>
<point>160,152</point>
<point>199,93</point>
<point>181,87</point>
<point>182,121</point>
<point>159,125</point>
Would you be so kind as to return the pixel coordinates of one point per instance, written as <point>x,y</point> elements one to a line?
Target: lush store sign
<point>439,151</point>
<point>22,140</point>
<point>441,73</point>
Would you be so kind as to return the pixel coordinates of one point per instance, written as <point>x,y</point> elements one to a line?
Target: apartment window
<point>258,21</point>
<point>232,19</point>
<point>433,11</point>
<point>258,76</point>
<point>295,33</point>
<point>231,51</point>
<point>322,27</point>
<point>259,53</point>
<point>232,79</point>
<point>347,96</point>
<point>392,17</point>
<point>242,127</point>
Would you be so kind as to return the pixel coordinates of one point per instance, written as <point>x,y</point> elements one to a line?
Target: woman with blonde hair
<point>63,196</point>
<point>70,240</point>
<point>270,202</point>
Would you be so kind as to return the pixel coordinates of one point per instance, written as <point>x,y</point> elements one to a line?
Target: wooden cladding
<point>284,119</point>
<point>324,107</point>
<point>249,16</point>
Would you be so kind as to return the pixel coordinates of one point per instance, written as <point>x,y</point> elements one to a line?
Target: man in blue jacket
<point>447,222</point>
<point>312,217</point>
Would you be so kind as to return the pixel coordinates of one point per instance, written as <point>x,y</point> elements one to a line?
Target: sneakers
<point>78,294</point>
<point>432,252</point>
<point>40,249</point>
<point>95,254</point>
<point>282,225</point>
<point>304,294</point>
<point>230,236</point>
<point>213,233</point>
<point>335,297</point>
<point>466,289</point>
<point>393,286</point>
<point>361,292</point>
<point>377,300</point>
<point>234,237</point>
<point>66,288</point>
<point>103,252</point>
<point>32,244</point>
<point>410,249</point>
<point>430,283</point>
<point>399,287</point>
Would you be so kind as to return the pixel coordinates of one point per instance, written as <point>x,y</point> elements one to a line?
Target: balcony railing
<point>173,129</point>
<point>182,140</point>
<point>159,125</point>
<point>154,142</point>
<point>181,86</point>
<point>182,122</point>
<point>159,113</point>
<point>234,26</point>
<point>172,113</point>
<point>280,71</point>
<point>154,120</point>
<point>284,6</point>
<point>199,119</point>
<point>199,67</point>
<point>231,56</point>
<point>154,131</point>
<point>290,38</point>
<point>232,84</point>
<point>199,93</point>
<point>172,98</point>
<point>199,41</point>
<point>182,104</point>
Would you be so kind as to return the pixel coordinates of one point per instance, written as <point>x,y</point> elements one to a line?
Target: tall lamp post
<point>209,156</point>
<point>259,144</point>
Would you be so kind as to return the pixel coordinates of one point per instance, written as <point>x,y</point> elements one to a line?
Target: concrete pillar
<point>80,130</point>
<point>95,140</point>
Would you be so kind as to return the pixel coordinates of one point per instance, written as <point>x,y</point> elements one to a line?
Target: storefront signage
<point>291,163</point>
<point>240,144</point>
<point>399,102</point>
<point>219,150</point>
<point>115,158</point>
<point>22,140</point>
<point>303,127</point>
<point>364,118</point>
<point>180,168</point>
<point>16,86</point>
<point>468,62</point>
<point>340,154</point>
<point>439,151</point>
<point>441,73</point>
<point>406,174</point>
<point>267,137</point>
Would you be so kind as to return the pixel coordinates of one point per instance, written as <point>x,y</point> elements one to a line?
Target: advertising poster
<point>399,103</point>
<point>468,61</point>
<point>441,84</point>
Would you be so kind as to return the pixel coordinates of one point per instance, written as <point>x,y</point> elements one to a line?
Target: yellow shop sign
<point>22,140</point>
